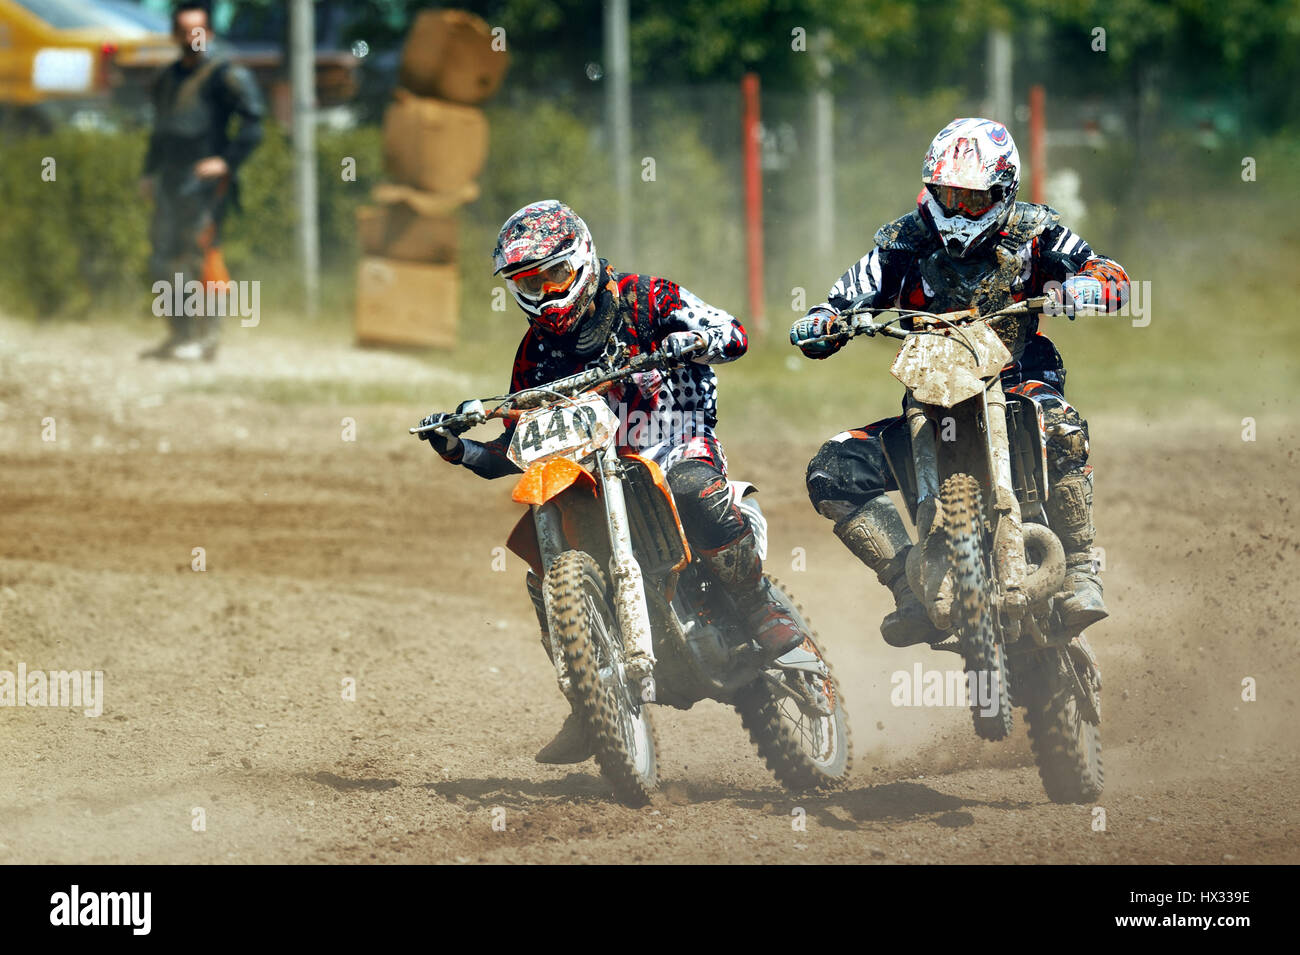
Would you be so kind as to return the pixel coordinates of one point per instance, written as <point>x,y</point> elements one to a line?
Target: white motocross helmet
<point>971,173</point>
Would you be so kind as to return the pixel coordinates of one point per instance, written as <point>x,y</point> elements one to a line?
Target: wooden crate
<point>397,231</point>
<point>407,303</point>
<point>433,145</point>
<point>448,54</point>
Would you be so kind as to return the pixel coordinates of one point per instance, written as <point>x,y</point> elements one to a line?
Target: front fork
<point>924,421</point>
<point>629,584</point>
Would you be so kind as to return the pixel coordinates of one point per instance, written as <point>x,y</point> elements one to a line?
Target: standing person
<point>968,244</point>
<point>191,170</point>
<point>577,306</point>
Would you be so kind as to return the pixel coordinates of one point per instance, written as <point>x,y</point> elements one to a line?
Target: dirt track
<point>368,559</point>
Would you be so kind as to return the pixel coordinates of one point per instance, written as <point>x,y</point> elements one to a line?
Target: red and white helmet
<point>547,257</point>
<point>971,173</point>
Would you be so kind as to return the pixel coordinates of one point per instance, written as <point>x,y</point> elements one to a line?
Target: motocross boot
<point>1069,512</point>
<point>178,334</point>
<point>572,744</point>
<point>739,569</point>
<point>876,536</point>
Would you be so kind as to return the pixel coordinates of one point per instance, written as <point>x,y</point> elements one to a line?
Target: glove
<point>1081,292</point>
<point>447,442</point>
<point>676,345</point>
<point>816,324</point>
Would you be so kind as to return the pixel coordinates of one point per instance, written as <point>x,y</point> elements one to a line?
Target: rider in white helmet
<point>968,244</point>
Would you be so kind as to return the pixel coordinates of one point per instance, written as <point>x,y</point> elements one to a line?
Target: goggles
<point>537,283</point>
<point>971,203</point>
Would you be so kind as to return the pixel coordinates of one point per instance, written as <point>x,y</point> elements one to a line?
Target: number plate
<point>569,430</point>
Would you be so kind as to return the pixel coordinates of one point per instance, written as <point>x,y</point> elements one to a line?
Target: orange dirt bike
<point>971,463</point>
<point>630,616</point>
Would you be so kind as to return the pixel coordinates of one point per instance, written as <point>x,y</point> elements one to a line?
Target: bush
<point>79,242</point>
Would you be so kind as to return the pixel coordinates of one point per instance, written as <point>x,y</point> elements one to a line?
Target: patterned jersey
<point>909,269</point>
<point>657,411</point>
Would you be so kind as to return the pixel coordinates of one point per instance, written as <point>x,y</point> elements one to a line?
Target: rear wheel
<point>804,748</point>
<point>622,733</point>
<point>973,611</point>
<point>1066,745</point>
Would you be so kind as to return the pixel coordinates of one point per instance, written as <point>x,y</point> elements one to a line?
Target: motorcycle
<point>971,463</point>
<point>629,615</point>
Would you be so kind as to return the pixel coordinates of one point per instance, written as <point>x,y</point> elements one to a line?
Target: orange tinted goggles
<point>969,202</point>
<point>548,280</point>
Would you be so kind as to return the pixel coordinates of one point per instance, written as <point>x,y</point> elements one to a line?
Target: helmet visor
<point>971,203</point>
<point>537,283</point>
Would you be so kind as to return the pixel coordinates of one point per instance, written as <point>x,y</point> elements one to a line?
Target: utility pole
<point>999,76</point>
<point>618,120</point>
<point>823,112</point>
<point>302,81</point>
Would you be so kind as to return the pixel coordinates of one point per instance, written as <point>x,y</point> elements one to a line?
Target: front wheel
<point>622,733</point>
<point>804,738</point>
<point>973,611</point>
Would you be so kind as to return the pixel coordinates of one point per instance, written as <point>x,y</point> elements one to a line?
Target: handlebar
<point>856,319</point>
<point>513,405</point>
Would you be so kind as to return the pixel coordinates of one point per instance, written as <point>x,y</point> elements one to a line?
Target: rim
<point>818,737</point>
<point>633,722</point>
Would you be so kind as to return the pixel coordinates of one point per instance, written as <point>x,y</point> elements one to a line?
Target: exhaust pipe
<point>1043,548</point>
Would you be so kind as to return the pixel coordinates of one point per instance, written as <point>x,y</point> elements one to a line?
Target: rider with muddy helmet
<point>968,244</point>
<point>579,309</point>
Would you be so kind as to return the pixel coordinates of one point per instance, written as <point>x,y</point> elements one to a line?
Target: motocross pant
<point>696,471</point>
<point>850,469</point>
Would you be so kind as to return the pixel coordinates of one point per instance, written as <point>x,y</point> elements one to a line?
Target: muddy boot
<point>572,743</point>
<point>1069,512</point>
<point>738,568</point>
<point>876,536</point>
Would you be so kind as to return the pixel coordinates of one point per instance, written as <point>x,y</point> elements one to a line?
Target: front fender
<point>545,480</point>
<point>946,367</point>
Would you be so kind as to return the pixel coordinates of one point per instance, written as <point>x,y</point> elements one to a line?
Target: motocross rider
<point>579,308</point>
<point>968,243</point>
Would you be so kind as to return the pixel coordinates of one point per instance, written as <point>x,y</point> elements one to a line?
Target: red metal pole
<point>753,200</point>
<point>1037,142</point>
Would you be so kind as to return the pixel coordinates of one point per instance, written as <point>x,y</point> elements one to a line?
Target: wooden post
<point>1037,143</point>
<point>753,199</point>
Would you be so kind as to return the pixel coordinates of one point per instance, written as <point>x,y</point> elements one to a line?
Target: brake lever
<point>473,412</point>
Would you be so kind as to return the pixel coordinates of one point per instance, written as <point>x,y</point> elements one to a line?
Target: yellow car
<point>57,57</point>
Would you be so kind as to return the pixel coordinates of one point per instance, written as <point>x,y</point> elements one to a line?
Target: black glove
<point>447,441</point>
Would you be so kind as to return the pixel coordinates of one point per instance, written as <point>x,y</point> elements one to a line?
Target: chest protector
<point>988,279</point>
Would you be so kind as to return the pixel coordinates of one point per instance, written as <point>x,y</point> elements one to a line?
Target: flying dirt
<point>314,648</point>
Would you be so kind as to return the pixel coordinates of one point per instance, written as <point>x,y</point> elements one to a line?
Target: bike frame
<point>543,487</point>
<point>933,459</point>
